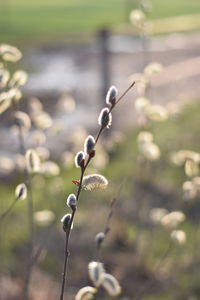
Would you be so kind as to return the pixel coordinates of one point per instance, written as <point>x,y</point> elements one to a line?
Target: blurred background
<point>73,51</point>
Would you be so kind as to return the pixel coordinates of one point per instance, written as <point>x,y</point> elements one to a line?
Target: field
<point>22,20</point>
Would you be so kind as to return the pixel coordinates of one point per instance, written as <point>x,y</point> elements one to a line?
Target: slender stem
<point>163,257</point>
<point>66,254</point>
<point>77,199</point>
<point>31,261</point>
<point>6,212</point>
<point>150,283</point>
<point>126,91</point>
<point>106,230</point>
<point>30,210</point>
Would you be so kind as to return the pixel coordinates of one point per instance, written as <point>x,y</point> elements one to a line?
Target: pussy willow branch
<point>68,232</point>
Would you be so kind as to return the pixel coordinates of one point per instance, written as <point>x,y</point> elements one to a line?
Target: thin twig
<point>31,261</point>
<point>151,282</point>
<point>106,229</point>
<point>78,195</point>
<point>108,220</point>
<point>6,212</point>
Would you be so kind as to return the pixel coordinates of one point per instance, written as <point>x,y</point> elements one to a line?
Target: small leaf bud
<point>92,153</point>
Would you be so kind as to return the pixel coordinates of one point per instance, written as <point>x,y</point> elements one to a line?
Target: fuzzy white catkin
<point>5,76</point>
<point>66,219</point>
<point>22,120</point>
<point>191,168</point>
<point>71,200</point>
<point>96,271</point>
<point>19,78</point>
<point>153,68</point>
<point>89,144</point>
<point>111,95</point>
<point>178,236</point>
<point>137,18</point>
<point>32,161</point>
<point>5,102</point>
<point>157,113</point>
<point>94,181</point>
<point>111,285</point>
<point>86,293</point>
<point>105,118</point>
<point>144,137</point>
<point>150,151</point>
<point>80,156</point>
<point>156,214</point>
<point>142,104</point>
<point>50,168</point>
<point>44,217</point>
<point>10,53</point>
<point>21,191</point>
<point>99,238</point>
<point>173,219</point>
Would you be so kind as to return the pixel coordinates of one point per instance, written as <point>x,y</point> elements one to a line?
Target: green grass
<point>22,20</point>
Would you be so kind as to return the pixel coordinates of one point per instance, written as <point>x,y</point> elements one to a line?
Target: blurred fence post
<point>104,35</point>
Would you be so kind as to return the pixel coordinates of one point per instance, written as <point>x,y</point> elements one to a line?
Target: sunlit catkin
<point>157,113</point>
<point>22,120</point>
<point>32,161</point>
<point>71,201</point>
<point>96,271</point>
<point>105,118</point>
<point>86,293</point>
<point>21,191</point>
<point>111,285</point>
<point>173,219</point>
<point>153,68</point>
<point>4,77</point>
<point>89,144</point>
<point>50,168</point>
<point>142,104</point>
<point>66,221</point>
<point>19,78</point>
<point>10,53</point>
<point>79,159</point>
<point>99,238</point>
<point>44,217</point>
<point>111,96</point>
<point>178,236</point>
<point>137,18</point>
<point>94,181</point>
<point>5,102</point>
<point>191,168</point>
